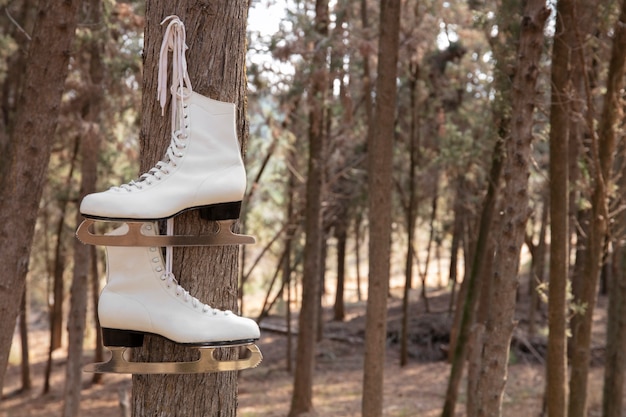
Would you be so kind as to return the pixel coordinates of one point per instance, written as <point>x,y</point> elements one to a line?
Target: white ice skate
<point>201,170</point>
<point>141,297</point>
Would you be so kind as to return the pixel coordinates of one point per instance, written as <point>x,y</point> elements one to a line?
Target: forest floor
<point>416,389</point>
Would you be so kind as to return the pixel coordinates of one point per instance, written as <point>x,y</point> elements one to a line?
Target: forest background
<point>508,156</point>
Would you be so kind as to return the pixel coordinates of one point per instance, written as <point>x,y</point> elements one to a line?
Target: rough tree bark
<point>22,174</point>
<point>601,164</point>
<point>510,236</point>
<point>216,37</point>
<point>380,159</point>
<point>302,395</point>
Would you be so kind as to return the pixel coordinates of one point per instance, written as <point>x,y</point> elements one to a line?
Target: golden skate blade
<point>207,362</point>
<point>134,237</point>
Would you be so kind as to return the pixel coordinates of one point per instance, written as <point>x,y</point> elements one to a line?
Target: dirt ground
<point>414,390</point>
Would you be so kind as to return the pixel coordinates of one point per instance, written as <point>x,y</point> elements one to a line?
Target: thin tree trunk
<point>537,272</point>
<point>457,240</point>
<point>339,310</point>
<point>83,263</point>
<point>602,155</point>
<point>267,304</point>
<point>431,235</point>
<point>410,215</point>
<point>510,237</point>
<point>28,153</point>
<point>556,360</point>
<point>287,269</point>
<point>78,293</point>
<point>477,333</point>
<point>26,379</point>
<point>615,362</point>
<point>322,282</point>
<point>56,309</point>
<point>369,110</point>
<point>357,254</point>
<point>302,395</point>
<point>216,36</point>
<point>472,293</point>
<point>615,365</point>
<point>253,187</point>
<point>380,161</point>
<point>95,295</point>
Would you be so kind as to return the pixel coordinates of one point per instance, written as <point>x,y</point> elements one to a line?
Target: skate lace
<point>174,40</point>
<point>172,282</point>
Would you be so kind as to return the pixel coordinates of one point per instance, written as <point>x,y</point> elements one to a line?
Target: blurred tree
<point>602,155</point>
<point>91,16</point>
<point>563,60</point>
<point>515,196</point>
<point>302,395</point>
<point>380,166</point>
<point>24,162</point>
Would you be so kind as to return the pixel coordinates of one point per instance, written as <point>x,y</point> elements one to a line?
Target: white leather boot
<point>202,167</point>
<point>141,297</point>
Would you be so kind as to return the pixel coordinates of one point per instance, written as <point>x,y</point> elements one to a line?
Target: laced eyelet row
<point>181,292</point>
<point>174,41</point>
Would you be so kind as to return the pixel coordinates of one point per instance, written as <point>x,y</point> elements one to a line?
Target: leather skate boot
<point>141,297</point>
<point>202,167</point>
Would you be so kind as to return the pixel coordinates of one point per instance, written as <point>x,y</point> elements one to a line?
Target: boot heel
<point>222,211</point>
<point>121,338</point>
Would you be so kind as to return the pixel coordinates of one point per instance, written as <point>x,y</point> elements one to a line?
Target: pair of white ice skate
<point>202,170</point>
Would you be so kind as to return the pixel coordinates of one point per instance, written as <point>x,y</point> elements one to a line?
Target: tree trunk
<point>216,37</point>
<point>510,237</point>
<point>615,362</point>
<point>302,395</point>
<point>602,155</point>
<point>339,310</point>
<point>468,298</point>
<point>26,379</point>
<point>89,144</point>
<point>287,269</point>
<point>357,254</point>
<point>538,266</point>
<point>23,176</point>
<point>55,311</point>
<point>457,239</point>
<point>433,215</point>
<point>98,355</point>
<point>411,211</point>
<point>380,161</point>
<point>556,361</point>
<point>78,293</point>
<point>615,365</point>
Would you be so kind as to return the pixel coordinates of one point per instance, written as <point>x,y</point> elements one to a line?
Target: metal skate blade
<point>223,236</point>
<point>207,362</point>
